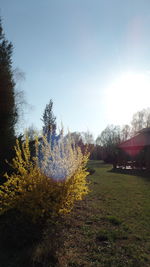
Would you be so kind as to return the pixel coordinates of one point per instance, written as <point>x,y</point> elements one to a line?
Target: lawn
<point>110,227</point>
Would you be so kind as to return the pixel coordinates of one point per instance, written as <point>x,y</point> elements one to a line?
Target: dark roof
<point>145,130</point>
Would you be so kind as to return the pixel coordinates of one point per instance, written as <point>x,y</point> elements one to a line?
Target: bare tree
<point>110,136</point>
<point>140,120</point>
<point>109,140</point>
<point>20,100</point>
<point>87,137</point>
<point>125,132</point>
<point>76,136</point>
<point>31,132</point>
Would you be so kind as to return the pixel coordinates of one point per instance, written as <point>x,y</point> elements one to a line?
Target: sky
<point>91,57</point>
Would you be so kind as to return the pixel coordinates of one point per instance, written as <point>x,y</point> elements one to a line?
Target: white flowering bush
<point>48,182</point>
<point>60,160</point>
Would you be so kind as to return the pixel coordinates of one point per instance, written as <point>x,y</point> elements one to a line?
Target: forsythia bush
<point>48,182</point>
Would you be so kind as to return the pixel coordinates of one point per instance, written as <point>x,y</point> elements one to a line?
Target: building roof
<point>140,140</point>
<point>145,130</point>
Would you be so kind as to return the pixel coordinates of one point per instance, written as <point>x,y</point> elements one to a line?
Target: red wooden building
<point>135,152</point>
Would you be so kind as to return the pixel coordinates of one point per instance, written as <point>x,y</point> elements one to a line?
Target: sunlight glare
<point>129,93</point>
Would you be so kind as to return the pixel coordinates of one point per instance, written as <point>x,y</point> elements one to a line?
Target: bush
<point>48,182</point>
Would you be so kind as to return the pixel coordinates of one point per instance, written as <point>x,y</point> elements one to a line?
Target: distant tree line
<point>113,135</point>
<point>105,147</point>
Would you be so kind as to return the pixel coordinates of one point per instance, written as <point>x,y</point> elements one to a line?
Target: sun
<point>127,94</point>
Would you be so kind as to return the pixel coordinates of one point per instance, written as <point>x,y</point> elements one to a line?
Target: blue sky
<point>75,51</point>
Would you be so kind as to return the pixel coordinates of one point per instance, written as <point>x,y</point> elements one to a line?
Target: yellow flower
<point>50,181</point>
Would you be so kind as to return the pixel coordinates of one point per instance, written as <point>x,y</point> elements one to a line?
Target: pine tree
<point>8,110</point>
<point>49,120</point>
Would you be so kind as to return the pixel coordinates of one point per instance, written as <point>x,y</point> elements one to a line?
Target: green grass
<point>110,227</point>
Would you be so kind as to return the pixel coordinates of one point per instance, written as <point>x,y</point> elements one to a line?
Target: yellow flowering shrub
<point>48,182</point>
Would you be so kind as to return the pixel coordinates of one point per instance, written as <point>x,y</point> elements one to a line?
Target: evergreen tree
<point>8,110</point>
<point>49,120</point>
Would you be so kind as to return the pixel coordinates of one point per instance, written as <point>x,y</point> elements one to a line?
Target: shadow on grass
<point>24,243</point>
<point>17,236</point>
<point>91,171</point>
<point>134,172</point>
